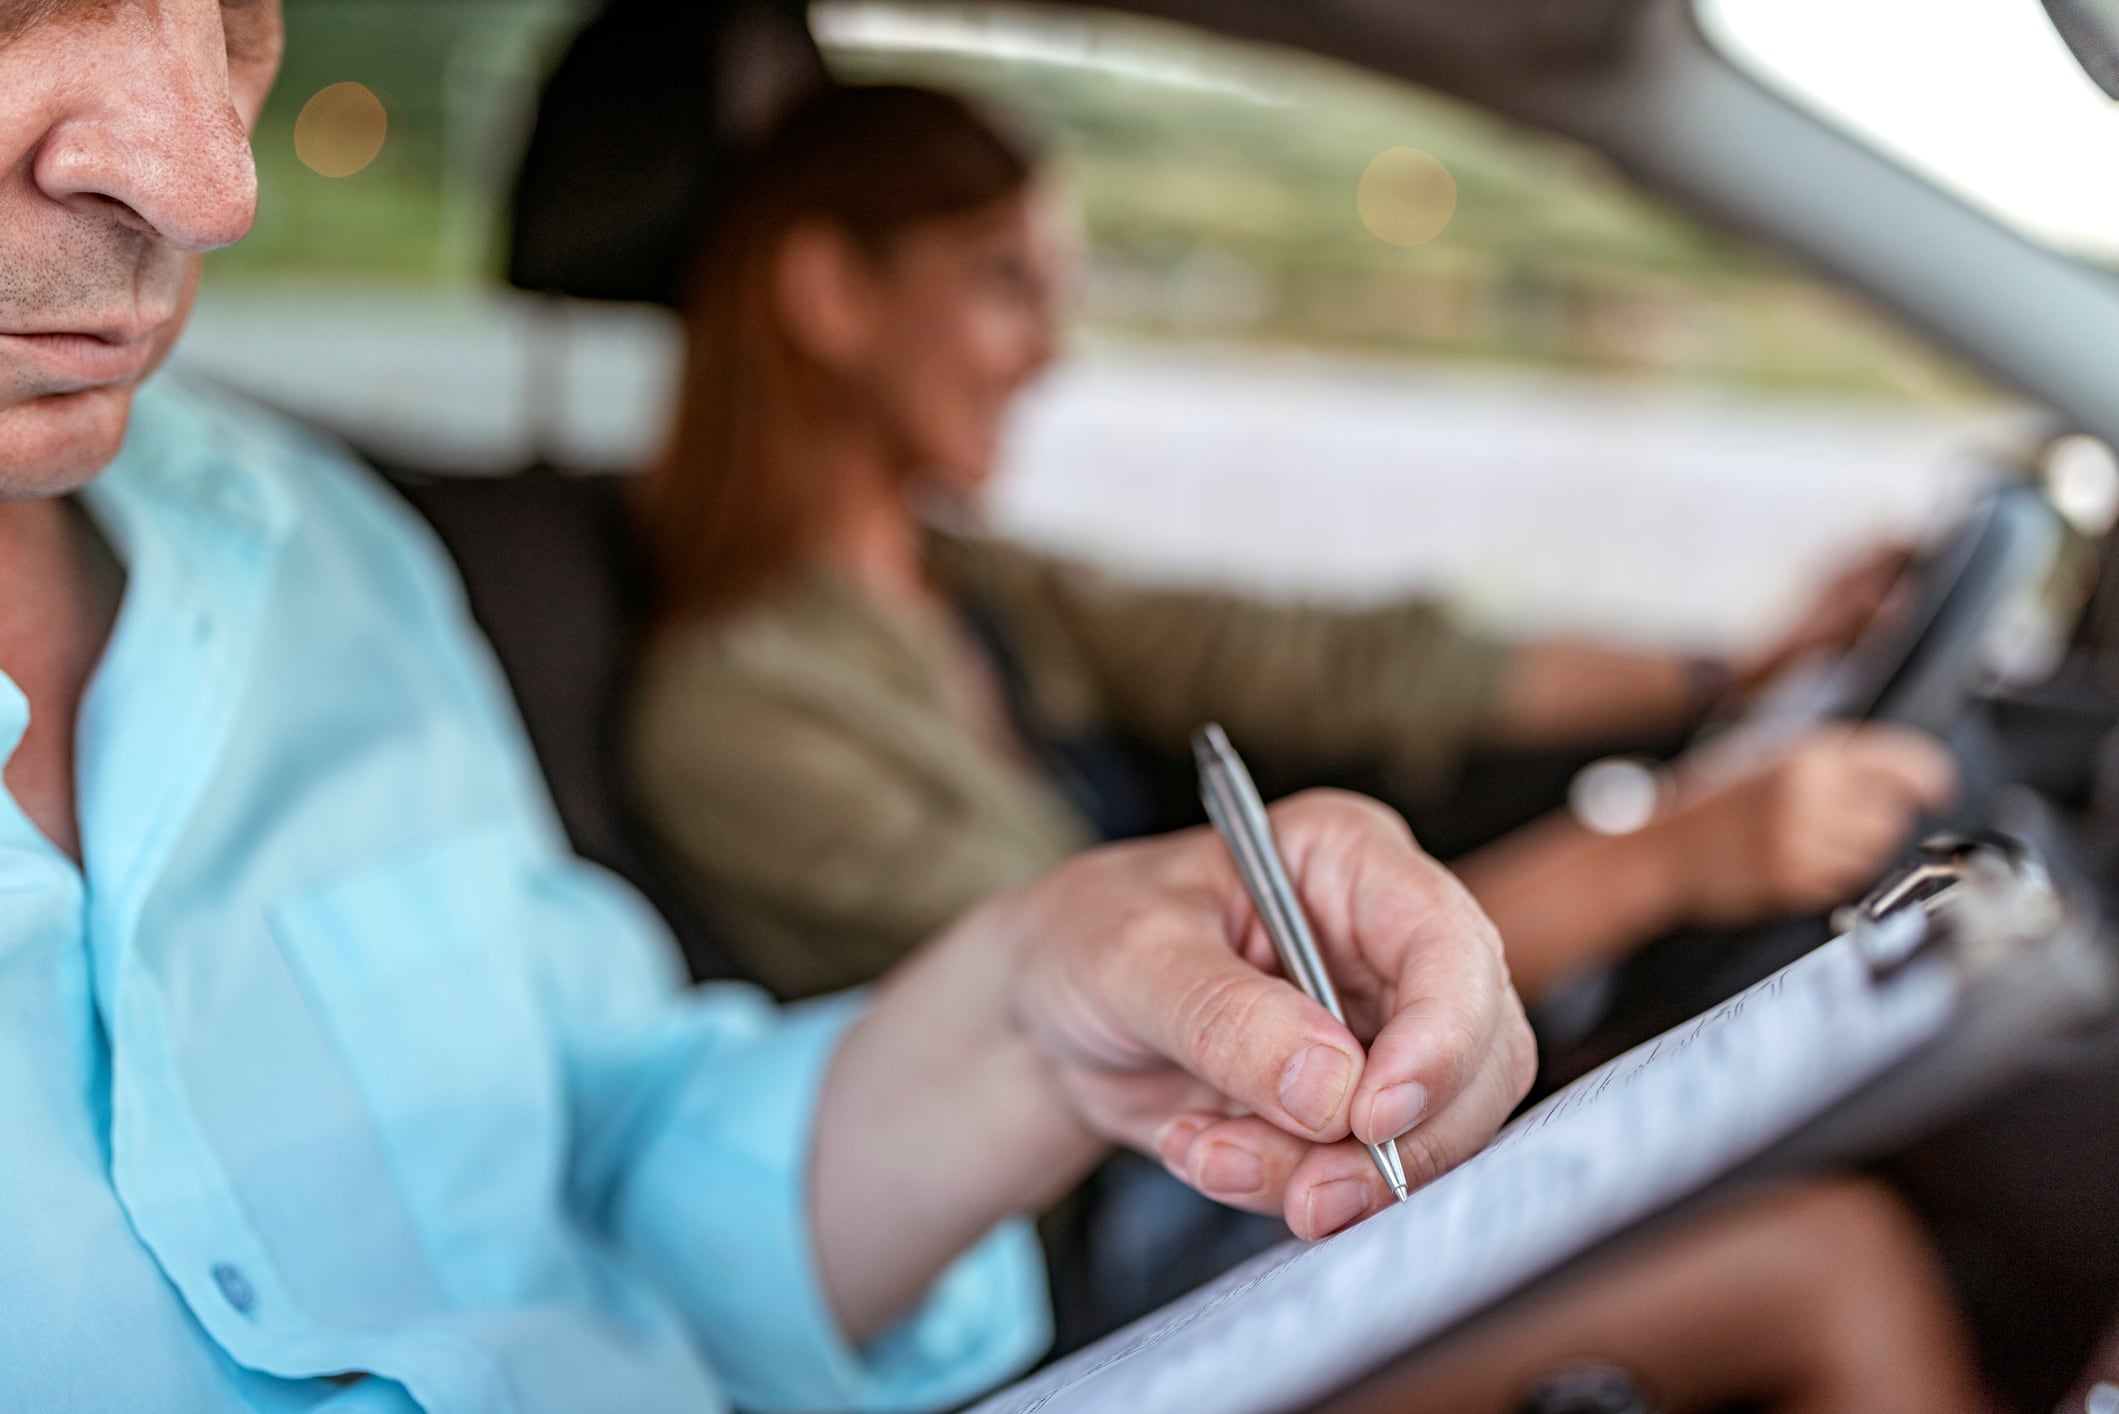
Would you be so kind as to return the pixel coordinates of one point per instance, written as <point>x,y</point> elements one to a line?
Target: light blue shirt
<point>332,1060</point>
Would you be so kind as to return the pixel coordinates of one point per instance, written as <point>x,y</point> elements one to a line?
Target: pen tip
<point>1401,1190</point>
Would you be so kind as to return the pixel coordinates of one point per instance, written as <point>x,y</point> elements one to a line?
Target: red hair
<point>731,511</point>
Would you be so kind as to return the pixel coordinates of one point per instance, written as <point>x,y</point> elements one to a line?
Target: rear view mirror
<point>2091,29</point>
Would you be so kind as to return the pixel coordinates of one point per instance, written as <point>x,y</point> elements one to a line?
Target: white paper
<point>1625,1141</point>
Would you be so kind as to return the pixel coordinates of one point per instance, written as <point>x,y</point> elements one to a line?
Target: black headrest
<point>633,132</point>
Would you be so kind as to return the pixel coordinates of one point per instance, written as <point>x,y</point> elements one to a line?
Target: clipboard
<point>1953,979</point>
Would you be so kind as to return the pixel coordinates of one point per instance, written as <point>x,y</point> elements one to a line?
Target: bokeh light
<point>341,130</point>
<point>1617,795</point>
<point>1406,196</point>
<point>2082,477</point>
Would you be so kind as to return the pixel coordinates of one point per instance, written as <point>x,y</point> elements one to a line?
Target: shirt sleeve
<point>1403,683</point>
<point>689,1115</point>
<point>694,1111</point>
<point>726,1174</point>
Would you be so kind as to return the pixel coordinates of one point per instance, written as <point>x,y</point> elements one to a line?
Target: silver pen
<point>1239,816</point>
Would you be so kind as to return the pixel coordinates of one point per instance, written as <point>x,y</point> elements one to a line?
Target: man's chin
<point>52,445</point>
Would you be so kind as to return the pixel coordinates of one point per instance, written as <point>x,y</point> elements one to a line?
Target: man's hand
<point>1131,995</point>
<point>1153,990</point>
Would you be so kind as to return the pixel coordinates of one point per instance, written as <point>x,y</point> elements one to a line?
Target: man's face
<point>124,154</point>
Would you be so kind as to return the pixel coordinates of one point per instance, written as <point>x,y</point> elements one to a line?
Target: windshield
<point>1980,95</point>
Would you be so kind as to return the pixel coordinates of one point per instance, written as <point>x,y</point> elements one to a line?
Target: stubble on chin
<point>53,442</point>
<point>53,446</point>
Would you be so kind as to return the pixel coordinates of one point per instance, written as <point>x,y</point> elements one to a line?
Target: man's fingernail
<point>1230,1171</point>
<point>1331,1206</point>
<point>1173,1142</point>
<point>1396,1110</point>
<point>1314,1083</point>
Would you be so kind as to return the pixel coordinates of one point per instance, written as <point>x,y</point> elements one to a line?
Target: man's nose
<point>158,143</point>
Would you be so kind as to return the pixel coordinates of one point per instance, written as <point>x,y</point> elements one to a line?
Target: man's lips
<point>71,360</point>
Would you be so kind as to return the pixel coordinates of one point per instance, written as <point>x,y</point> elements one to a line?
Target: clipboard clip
<point>1978,895</point>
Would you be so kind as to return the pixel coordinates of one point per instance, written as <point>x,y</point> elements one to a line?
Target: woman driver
<point>853,724</point>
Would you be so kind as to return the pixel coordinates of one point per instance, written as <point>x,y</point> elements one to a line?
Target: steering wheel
<point>1918,665</point>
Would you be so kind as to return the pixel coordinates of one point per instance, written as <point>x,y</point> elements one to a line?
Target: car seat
<point>557,583</point>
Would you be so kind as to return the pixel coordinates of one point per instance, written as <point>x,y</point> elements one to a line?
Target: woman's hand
<point>1559,692</point>
<point>1837,614</point>
<point>1810,828</point>
<point>1131,996</point>
<point>1154,992</point>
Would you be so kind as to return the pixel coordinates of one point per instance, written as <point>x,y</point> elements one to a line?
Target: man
<point>330,1080</point>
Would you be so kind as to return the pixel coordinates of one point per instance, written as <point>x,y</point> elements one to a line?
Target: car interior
<point>555,577</point>
<point>555,580</point>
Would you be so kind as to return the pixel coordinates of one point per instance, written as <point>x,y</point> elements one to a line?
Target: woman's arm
<point>1803,831</point>
<point>1128,997</point>
<point>1401,683</point>
<point>831,848</point>
<point>1566,898</point>
<point>1557,692</point>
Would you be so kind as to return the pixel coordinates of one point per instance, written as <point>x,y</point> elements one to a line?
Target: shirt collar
<point>194,509</point>
<point>186,461</point>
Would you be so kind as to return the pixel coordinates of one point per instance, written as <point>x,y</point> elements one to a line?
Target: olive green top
<point>810,768</point>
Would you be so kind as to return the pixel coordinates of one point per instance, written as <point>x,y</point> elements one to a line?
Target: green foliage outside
<point>458,78</point>
<point>1220,210</point>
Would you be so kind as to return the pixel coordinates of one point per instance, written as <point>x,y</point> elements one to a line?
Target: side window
<point>1232,191</point>
<point>1330,334</point>
<point>1338,335</point>
<point>384,152</point>
<point>2031,153</point>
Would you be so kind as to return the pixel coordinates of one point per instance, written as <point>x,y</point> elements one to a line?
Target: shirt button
<point>235,1287</point>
